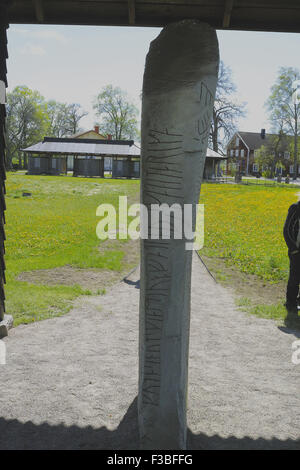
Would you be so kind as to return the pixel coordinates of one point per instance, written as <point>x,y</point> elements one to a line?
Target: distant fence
<point>268,183</point>
<point>220,179</point>
<point>251,182</point>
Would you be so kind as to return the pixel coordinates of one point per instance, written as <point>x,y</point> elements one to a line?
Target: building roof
<point>254,140</point>
<point>93,147</point>
<point>90,147</point>
<point>212,154</point>
<point>258,15</point>
<point>91,131</point>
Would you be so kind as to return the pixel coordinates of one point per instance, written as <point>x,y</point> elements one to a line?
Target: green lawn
<point>244,230</point>
<point>56,227</point>
<point>244,225</point>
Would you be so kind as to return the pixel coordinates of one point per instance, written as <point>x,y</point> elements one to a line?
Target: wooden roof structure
<point>91,147</point>
<point>252,15</point>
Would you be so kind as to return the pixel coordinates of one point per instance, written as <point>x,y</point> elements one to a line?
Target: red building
<point>241,153</point>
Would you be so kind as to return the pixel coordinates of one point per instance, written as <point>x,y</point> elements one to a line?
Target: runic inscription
<point>178,94</point>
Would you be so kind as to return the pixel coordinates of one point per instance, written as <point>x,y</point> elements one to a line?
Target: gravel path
<point>71,382</point>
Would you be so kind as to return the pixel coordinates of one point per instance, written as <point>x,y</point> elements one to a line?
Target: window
<point>231,152</point>
<point>36,162</point>
<point>287,155</point>
<point>136,166</point>
<point>237,152</point>
<point>119,165</point>
<point>291,168</point>
<point>255,168</point>
<point>237,141</point>
<point>242,153</point>
<point>256,153</point>
<point>53,163</point>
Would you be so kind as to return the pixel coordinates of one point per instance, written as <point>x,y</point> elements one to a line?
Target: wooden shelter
<point>258,15</point>
<point>47,165</point>
<point>126,167</point>
<point>212,164</point>
<point>87,166</point>
<point>51,155</point>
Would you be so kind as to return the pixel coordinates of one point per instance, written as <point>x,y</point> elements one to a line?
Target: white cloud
<point>41,34</point>
<point>32,49</point>
<point>49,34</point>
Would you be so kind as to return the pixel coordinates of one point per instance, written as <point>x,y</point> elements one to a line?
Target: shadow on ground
<point>289,331</point>
<point>17,435</point>
<point>136,284</point>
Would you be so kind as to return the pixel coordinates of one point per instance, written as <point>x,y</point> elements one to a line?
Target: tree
<point>118,116</point>
<point>57,119</point>
<point>226,110</point>
<point>27,120</point>
<point>272,154</point>
<point>74,114</point>
<point>30,118</point>
<point>284,110</point>
<point>64,118</point>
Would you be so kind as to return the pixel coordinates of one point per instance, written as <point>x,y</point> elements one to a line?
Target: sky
<point>72,63</point>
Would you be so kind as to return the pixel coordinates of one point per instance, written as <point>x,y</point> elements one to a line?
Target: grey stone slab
<point>178,95</point>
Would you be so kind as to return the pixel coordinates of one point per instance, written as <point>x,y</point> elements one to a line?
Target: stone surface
<point>178,94</point>
<point>5,325</point>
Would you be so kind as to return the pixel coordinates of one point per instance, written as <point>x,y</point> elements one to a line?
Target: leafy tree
<point>27,120</point>
<point>64,118</point>
<point>118,116</point>
<point>226,110</point>
<point>284,111</point>
<point>74,114</point>
<point>57,119</point>
<point>272,154</point>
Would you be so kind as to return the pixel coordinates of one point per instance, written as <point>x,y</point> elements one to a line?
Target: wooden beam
<point>39,11</point>
<point>227,13</point>
<point>131,12</point>
<point>3,83</point>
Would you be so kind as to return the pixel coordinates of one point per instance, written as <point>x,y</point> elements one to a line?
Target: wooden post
<point>3,80</point>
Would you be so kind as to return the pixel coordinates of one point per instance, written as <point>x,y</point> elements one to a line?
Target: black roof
<point>254,140</point>
<point>73,140</point>
<point>258,15</point>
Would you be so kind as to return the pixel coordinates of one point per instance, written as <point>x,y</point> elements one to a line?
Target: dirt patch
<point>92,279</point>
<point>246,285</point>
<point>131,249</point>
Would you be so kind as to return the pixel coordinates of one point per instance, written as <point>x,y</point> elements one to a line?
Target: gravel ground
<point>71,382</point>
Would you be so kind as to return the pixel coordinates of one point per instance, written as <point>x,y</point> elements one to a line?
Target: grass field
<point>244,243</point>
<point>55,227</point>
<point>244,225</point>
